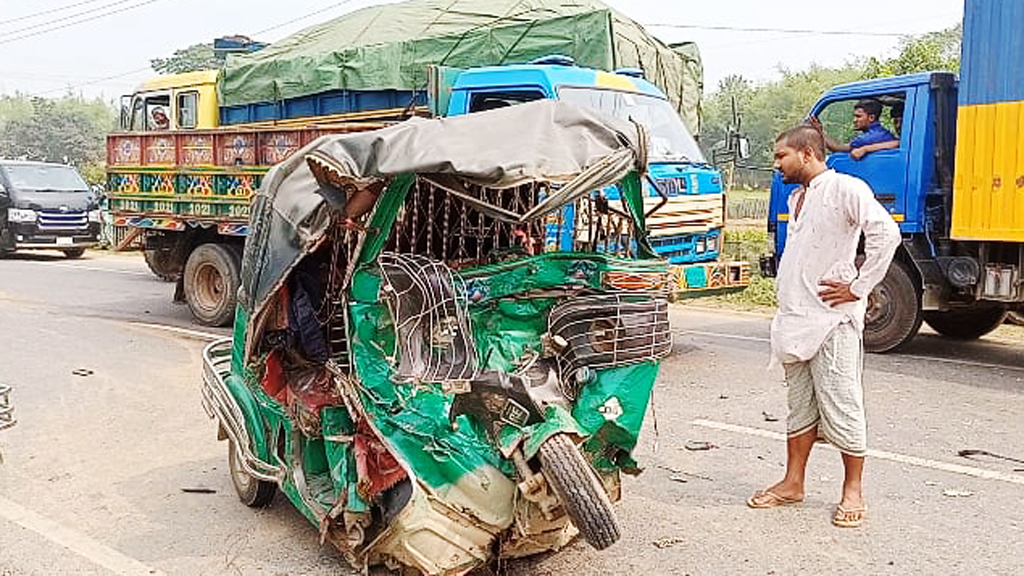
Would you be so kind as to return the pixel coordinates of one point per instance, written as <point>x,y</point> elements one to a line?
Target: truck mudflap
<point>707,279</point>
<point>220,403</point>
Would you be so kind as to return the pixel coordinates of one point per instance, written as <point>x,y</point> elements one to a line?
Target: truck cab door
<point>885,171</point>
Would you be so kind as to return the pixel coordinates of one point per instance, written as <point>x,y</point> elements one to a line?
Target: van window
<point>44,177</point>
<point>188,110</point>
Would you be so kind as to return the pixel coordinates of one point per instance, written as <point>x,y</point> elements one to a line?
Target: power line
<point>780,30</point>
<point>63,19</point>
<point>5,40</point>
<point>45,12</point>
<point>123,74</point>
<point>303,17</point>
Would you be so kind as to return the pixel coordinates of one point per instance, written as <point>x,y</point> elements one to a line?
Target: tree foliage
<point>195,57</point>
<point>69,129</point>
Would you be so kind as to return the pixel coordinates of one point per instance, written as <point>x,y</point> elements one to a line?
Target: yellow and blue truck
<point>185,185</point>
<point>955,185</point>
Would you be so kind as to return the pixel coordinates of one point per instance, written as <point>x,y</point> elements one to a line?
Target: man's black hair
<point>870,107</point>
<point>804,136</point>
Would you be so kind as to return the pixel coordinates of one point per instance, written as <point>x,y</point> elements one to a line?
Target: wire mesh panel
<point>434,222</point>
<point>608,330</point>
<point>428,306</point>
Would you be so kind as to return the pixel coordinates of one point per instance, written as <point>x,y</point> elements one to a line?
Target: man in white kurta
<point>817,333</point>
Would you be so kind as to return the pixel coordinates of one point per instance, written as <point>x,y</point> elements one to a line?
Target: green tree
<point>932,51</point>
<point>195,57</point>
<point>69,129</point>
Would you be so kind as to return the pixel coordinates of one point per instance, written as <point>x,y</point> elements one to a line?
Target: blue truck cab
<point>914,182</point>
<point>687,228</point>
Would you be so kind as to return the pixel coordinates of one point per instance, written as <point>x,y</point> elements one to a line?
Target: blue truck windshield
<point>44,177</point>
<point>669,138</point>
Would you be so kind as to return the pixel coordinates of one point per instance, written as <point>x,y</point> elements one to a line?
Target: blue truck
<point>955,185</point>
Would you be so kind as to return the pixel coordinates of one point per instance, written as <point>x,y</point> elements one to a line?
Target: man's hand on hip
<point>835,293</point>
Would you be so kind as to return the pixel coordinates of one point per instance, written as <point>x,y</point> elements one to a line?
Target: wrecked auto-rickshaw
<point>415,365</point>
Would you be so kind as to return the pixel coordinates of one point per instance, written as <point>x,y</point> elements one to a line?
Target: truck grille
<point>56,220</point>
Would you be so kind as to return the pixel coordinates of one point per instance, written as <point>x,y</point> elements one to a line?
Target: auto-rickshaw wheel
<point>253,492</point>
<point>580,490</point>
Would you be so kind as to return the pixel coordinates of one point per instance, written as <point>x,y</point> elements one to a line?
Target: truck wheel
<point>893,313</point>
<point>967,324</point>
<point>211,284</point>
<point>165,264</point>
<point>73,253</point>
<point>251,491</point>
<point>580,491</point>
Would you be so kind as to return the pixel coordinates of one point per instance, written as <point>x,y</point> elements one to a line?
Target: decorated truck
<point>953,181</point>
<point>194,147</point>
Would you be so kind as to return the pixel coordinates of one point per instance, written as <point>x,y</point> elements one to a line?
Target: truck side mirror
<point>744,148</point>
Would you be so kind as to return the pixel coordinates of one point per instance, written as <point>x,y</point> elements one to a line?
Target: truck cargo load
<point>377,57</point>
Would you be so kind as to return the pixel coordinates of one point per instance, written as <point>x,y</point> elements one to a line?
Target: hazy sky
<point>103,47</point>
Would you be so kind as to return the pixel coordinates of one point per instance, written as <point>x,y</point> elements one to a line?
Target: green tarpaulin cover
<point>389,47</point>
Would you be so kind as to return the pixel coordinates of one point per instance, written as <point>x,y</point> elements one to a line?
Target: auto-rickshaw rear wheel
<point>580,490</point>
<point>253,492</point>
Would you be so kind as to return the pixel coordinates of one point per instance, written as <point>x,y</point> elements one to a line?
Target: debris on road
<point>678,478</point>
<point>769,417</point>
<point>954,493</point>
<point>931,483</point>
<point>697,445</point>
<point>199,490</point>
<point>667,542</point>
<point>82,372</point>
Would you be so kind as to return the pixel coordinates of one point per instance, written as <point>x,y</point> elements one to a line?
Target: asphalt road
<point>94,473</point>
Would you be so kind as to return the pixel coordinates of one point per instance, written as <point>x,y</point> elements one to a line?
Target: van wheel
<point>74,252</point>
<point>893,312</point>
<point>580,491</point>
<point>212,279</point>
<point>967,324</point>
<point>253,492</point>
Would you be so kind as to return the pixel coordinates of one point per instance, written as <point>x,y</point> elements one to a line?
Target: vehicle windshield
<point>669,138</point>
<point>44,177</point>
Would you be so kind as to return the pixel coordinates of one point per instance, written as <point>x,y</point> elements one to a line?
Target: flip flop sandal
<point>769,499</point>
<point>849,518</point>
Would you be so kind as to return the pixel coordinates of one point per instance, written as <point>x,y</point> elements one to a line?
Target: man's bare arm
<point>831,144</point>
<point>862,151</point>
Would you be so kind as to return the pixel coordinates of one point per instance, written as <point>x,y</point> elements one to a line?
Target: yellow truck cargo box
<point>988,191</point>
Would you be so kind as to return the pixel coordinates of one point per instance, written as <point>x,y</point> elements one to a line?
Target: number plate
<point>65,241</point>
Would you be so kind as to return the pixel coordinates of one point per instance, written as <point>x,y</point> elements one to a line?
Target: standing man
<point>817,333</point>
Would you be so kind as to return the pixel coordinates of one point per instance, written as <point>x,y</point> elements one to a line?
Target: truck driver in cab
<point>873,135</point>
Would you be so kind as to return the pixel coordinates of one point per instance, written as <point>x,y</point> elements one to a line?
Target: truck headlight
<point>95,216</point>
<point>19,215</point>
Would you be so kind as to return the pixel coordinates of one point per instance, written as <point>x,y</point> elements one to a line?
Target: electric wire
<point>780,30</point>
<point>45,12</point>
<point>6,40</point>
<point>49,23</point>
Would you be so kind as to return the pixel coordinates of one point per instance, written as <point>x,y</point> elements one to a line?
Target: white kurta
<point>821,244</point>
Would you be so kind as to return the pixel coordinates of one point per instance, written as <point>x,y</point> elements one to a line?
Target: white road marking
<point>880,454</point>
<point>971,363</point>
<point>96,269</point>
<point>185,331</point>
<point>74,541</point>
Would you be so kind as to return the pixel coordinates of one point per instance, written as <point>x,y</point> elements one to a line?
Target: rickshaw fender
<point>557,420</point>
<point>250,411</point>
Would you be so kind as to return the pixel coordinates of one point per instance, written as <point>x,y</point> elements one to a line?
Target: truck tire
<point>164,264</point>
<point>966,324</point>
<point>894,311</point>
<point>211,286</point>
<point>74,253</point>
<point>581,492</point>
<point>253,492</point>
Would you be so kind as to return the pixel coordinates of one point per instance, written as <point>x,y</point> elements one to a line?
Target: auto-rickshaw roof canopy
<point>546,141</point>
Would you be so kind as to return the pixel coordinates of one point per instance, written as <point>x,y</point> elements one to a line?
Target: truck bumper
<point>708,278</point>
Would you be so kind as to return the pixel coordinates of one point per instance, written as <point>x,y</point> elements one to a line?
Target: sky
<point>103,47</point>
